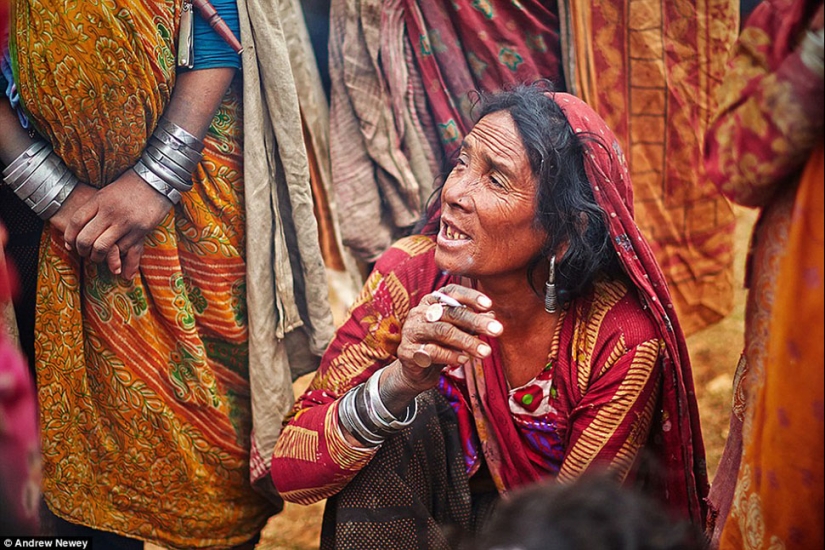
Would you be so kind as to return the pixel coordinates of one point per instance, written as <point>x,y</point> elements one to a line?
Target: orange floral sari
<point>143,384</point>
<point>779,499</point>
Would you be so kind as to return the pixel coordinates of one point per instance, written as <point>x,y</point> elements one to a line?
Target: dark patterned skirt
<point>415,493</point>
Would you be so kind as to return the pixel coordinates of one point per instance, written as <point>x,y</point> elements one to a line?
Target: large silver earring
<point>551,298</point>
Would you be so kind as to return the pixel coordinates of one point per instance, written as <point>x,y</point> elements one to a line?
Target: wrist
<point>170,157</point>
<point>369,417</point>
<point>395,391</point>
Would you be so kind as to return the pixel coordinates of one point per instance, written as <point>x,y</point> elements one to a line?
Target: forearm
<point>314,458</point>
<point>14,139</point>
<point>766,126</point>
<point>176,146</point>
<point>196,98</point>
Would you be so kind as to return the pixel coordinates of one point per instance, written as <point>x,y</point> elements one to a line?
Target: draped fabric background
<point>290,322</point>
<point>401,72</point>
<point>343,275</point>
<point>650,69</point>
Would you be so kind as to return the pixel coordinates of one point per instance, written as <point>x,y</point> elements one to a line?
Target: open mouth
<point>452,234</point>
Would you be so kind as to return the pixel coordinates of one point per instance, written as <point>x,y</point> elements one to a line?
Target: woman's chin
<point>453,263</point>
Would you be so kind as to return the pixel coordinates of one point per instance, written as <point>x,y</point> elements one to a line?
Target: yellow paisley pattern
<point>143,384</point>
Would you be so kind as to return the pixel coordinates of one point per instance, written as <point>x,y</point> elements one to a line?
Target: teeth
<point>453,235</point>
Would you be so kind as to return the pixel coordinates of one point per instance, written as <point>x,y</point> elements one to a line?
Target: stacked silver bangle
<point>169,159</point>
<point>40,179</point>
<point>363,414</point>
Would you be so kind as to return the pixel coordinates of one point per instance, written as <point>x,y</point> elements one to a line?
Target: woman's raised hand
<point>443,330</point>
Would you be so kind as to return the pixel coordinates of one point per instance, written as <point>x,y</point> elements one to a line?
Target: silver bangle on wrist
<point>170,157</point>
<point>353,423</point>
<point>180,134</point>
<point>379,411</point>
<point>156,182</point>
<point>363,414</point>
<point>40,179</point>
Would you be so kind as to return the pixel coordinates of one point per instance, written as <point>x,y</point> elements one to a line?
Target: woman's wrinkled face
<point>488,224</point>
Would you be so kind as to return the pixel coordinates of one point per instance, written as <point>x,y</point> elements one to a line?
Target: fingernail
<point>484,301</point>
<point>463,359</point>
<point>483,350</point>
<point>495,327</point>
<point>68,246</point>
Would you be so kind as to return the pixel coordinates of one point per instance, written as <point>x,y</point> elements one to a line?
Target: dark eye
<point>496,181</point>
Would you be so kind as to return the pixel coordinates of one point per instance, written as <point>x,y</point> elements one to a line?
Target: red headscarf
<point>683,452</point>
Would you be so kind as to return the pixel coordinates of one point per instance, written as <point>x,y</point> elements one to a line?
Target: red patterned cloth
<point>619,368</point>
<point>489,46</point>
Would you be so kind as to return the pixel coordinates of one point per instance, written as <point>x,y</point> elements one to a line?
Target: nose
<point>456,190</point>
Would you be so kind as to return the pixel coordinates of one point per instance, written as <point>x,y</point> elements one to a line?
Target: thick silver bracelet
<point>353,423</point>
<point>170,157</point>
<point>27,162</point>
<point>156,182</point>
<point>165,138</point>
<point>180,134</point>
<point>379,412</point>
<point>166,173</point>
<point>29,179</point>
<point>66,186</point>
<point>363,414</point>
<point>179,157</point>
<point>40,179</point>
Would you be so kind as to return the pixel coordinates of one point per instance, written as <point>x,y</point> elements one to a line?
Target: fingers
<point>438,355</point>
<point>470,321</point>
<point>102,244</point>
<point>77,223</point>
<point>126,262</point>
<point>454,338</point>
<point>131,262</point>
<point>113,260</point>
<point>465,296</point>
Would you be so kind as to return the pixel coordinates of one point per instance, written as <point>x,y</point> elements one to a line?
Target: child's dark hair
<point>594,513</point>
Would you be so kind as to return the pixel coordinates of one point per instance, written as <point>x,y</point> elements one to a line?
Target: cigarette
<point>446,300</point>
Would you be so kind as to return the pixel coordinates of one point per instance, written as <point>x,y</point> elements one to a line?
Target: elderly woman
<point>528,334</point>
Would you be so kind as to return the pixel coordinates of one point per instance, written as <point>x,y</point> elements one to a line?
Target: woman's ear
<point>561,250</point>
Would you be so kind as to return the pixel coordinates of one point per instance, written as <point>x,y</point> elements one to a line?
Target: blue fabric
<point>9,89</point>
<point>212,51</point>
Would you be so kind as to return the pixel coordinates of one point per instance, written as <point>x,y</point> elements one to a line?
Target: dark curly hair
<point>592,513</point>
<point>566,209</point>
